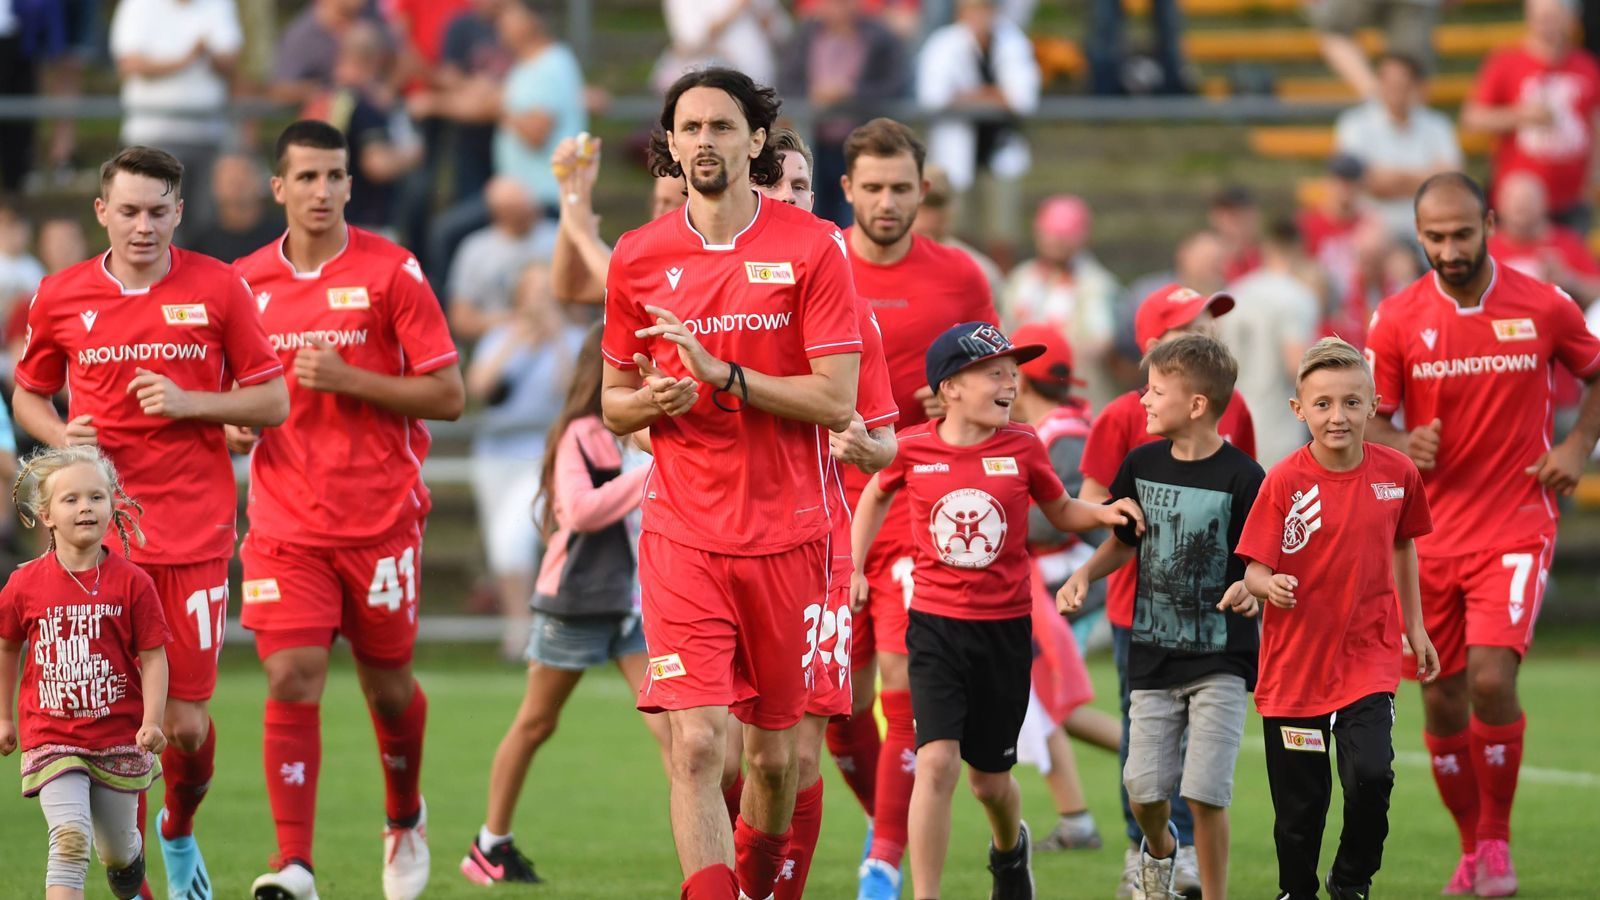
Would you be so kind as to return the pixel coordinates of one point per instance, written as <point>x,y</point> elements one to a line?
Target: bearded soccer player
<point>1466,354</point>
<point>337,502</point>
<point>142,336</point>
<point>731,335</point>
<point>917,289</point>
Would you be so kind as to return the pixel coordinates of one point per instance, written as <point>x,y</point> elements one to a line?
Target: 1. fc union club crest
<point>968,527</point>
<point>1304,518</point>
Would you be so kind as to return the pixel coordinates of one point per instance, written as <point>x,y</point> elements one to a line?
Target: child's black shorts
<point>969,683</point>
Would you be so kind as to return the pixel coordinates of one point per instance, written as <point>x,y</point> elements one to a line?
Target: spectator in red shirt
<point>1235,216</point>
<point>1525,239</point>
<point>1540,98</point>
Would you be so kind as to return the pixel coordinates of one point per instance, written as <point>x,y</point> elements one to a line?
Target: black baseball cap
<point>971,343</point>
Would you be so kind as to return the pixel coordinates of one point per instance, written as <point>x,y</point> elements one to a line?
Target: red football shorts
<point>889,588</point>
<point>1487,599</point>
<point>834,625</point>
<point>297,595</point>
<point>194,599</point>
<point>731,630</point>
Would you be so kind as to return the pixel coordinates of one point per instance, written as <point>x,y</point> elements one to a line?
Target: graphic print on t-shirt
<point>968,527</point>
<point>1182,561</point>
<point>74,681</point>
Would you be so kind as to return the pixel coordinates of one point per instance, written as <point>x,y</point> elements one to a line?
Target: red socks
<point>855,745</point>
<point>1458,783</point>
<point>291,754</point>
<point>804,828</point>
<point>400,750</point>
<point>711,883</point>
<point>1497,756</point>
<point>187,776</point>
<point>897,771</point>
<point>732,795</point>
<point>759,856</point>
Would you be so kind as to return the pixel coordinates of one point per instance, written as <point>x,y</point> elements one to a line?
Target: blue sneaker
<point>879,881</point>
<point>866,845</point>
<point>187,878</point>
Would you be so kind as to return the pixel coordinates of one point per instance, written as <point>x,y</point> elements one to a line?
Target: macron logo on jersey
<point>1490,364</point>
<point>673,274</point>
<point>88,316</point>
<point>298,339</point>
<point>119,353</point>
<point>413,268</point>
<point>262,299</point>
<point>1430,336</point>
<point>739,322</point>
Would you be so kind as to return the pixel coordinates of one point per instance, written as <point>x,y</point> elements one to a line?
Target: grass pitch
<point>594,814</point>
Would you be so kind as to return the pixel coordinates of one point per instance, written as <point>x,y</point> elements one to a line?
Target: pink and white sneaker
<point>1461,882</point>
<point>1496,876</point>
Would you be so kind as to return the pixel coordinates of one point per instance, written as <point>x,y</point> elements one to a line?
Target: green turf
<point>594,814</point>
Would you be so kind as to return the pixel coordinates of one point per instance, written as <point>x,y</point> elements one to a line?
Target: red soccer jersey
<point>969,509</point>
<point>916,299</point>
<point>341,470</point>
<point>198,327</point>
<point>1558,152</point>
<point>80,680</point>
<point>1485,373</point>
<point>1335,532</point>
<point>745,483</point>
<point>1119,428</point>
<point>875,405</point>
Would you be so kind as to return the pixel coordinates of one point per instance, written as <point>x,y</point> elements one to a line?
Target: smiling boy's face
<point>1336,404</point>
<point>983,393</point>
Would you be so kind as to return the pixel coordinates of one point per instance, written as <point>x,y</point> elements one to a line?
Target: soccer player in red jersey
<point>917,288</point>
<point>731,334</point>
<point>1466,354</point>
<point>337,502</point>
<point>158,347</point>
<point>1540,100</point>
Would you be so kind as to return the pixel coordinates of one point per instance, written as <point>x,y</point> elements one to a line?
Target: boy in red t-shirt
<point>970,476</point>
<point>1339,516</point>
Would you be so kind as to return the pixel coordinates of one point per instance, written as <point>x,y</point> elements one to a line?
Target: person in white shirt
<point>739,34</point>
<point>982,62</point>
<point>1400,141</point>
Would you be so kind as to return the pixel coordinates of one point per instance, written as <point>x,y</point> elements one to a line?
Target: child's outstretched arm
<point>1068,514</point>
<point>10,665</point>
<point>1275,588</point>
<point>1108,557</point>
<point>1406,582</point>
<point>870,513</point>
<point>153,683</point>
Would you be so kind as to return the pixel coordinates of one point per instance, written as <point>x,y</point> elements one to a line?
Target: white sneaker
<point>1155,875</point>
<point>1130,873</point>
<point>292,882</point>
<point>1186,874</point>
<point>405,859</point>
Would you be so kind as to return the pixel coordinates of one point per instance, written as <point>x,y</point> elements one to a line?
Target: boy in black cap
<point>969,477</point>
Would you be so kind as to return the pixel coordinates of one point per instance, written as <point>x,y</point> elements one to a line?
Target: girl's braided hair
<point>31,494</point>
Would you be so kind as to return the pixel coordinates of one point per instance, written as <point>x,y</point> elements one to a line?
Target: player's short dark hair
<point>151,162</point>
<point>1283,233</point>
<point>1460,181</point>
<point>883,137</point>
<point>787,140</point>
<point>1057,392</point>
<point>308,133</point>
<point>758,102</point>
<point>1202,362</point>
<point>1412,65</point>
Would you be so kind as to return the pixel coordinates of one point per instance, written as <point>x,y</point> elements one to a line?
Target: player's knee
<point>535,729</point>
<point>1492,685</point>
<point>697,753</point>
<point>808,761</point>
<point>990,787</point>
<point>769,764</point>
<point>389,697</point>
<point>294,684</point>
<point>69,853</point>
<point>940,762</point>
<point>188,733</point>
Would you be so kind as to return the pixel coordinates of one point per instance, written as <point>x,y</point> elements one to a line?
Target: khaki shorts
<point>1212,710</point>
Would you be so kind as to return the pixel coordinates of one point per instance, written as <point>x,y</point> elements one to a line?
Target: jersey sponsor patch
<point>1305,740</point>
<point>262,590</point>
<point>1000,465</point>
<point>769,273</point>
<point>348,298</point>
<point>185,314</point>
<point>1388,490</point>
<point>664,667</point>
<point>1515,330</point>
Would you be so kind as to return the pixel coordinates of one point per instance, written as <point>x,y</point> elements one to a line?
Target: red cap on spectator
<point>1174,306</point>
<point>1055,364</point>
<point>1063,215</point>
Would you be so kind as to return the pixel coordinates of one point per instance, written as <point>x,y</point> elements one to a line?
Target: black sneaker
<point>503,863</point>
<point>125,882</point>
<point>1347,892</point>
<point>1013,870</point>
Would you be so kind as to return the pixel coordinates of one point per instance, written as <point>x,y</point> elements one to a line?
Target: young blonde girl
<point>95,678</point>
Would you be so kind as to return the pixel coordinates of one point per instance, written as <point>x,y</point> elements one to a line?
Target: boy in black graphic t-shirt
<point>1192,661</point>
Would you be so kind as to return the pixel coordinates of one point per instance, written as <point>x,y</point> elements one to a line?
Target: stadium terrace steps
<point>1315,142</point>
<point>1443,90</point>
<point>1251,7</point>
<point>1292,44</point>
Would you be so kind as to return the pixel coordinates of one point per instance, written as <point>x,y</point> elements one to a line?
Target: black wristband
<point>735,373</point>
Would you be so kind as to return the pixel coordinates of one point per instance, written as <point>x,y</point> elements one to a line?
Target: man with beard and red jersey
<point>337,502</point>
<point>731,335</point>
<point>1466,354</point>
<point>143,337</point>
<point>917,289</point>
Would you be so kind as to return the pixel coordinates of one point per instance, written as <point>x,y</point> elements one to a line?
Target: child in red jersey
<point>970,476</point>
<point>95,679</point>
<point>1329,540</point>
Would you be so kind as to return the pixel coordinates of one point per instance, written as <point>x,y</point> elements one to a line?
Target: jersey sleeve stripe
<point>856,344</point>
<point>261,375</point>
<point>437,362</point>
<point>1387,408</point>
<point>618,363</point>
<point>1589,369</point>
<point>34,388</point>
<point>879,420</point>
